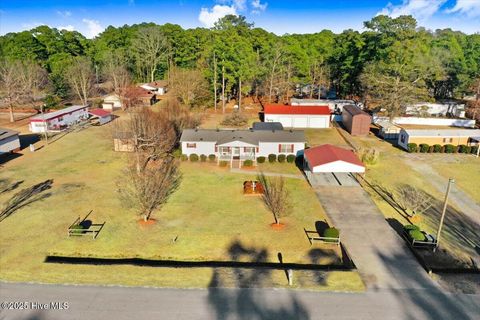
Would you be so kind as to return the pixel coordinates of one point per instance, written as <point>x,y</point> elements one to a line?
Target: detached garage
<point>298,116</point>
<point>332,159</point>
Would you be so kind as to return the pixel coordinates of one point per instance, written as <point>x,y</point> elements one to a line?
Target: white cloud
<point>67,27</point>
<point>93,28</point>
<point>469,7</point>
<point>32,25</point>
<point>64,14</point>
<point>209,17</point>
<point>420,9</point>
<point>258,6</point>
<point>240,4</point>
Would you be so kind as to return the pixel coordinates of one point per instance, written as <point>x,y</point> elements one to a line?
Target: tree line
<point>392,63</point>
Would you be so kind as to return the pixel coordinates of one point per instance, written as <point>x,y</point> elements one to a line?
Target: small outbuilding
<point>112,102</point>
<point>100,114</point>
<point>123,142</point>
<point>298,116</point>
<point>332,159</point>
<point>356,121</point>
<point>9,141</point>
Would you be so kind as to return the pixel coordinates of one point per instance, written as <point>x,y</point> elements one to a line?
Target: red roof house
<point>329,158</point>
<point>298,116</point>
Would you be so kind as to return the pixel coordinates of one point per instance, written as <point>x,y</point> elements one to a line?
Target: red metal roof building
<point>298,116</point>
<point>286,109</point>
<point>329,158</point>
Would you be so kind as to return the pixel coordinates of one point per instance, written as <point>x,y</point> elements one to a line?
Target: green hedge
<point>449,148</point>
<point>412,147</point>
<point>211,157</point>
<point>281,158</point>
<point>437,148</point>
<point>77,229</point>
<point>410,227</point>
<point>261,159</point>
<point>272,157</point>
<point>247,163</point>
<point>331,233</point>
<point>291,158</point>
<point>203,158</point>
<point>184,157</point>
<point>416,235</point>
<point>424,147</point>
<point>474,149</point>
<point>193,157</point>
<point>177,153</point>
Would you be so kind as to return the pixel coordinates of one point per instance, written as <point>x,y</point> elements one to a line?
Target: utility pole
<point>445,203</point>
<point>46,124</point>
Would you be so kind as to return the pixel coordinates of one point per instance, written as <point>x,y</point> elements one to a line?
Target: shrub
<point>184,157</point>
<point>474,149</point>
<point>247,163</point>
<point>412,147</point>
<point>449,148</point>
<point>410,227</point>
<point>77,229</point>
<point>177,153</point>
<point>193,157</point>
<point>430,150</point>
<point>203,158</point>
<point>291,158</point>
<point>211,157</point>
<point>261,159</point>
<point>223,163</point>
<point>369,155</point>
<point>235,119</point>
<point>437,148</point>
<point>416,235</point>
<point>468,149</point>
<point>424,147</point>
<point>281,158</point>
<point>272,158</point>
<point>331,233</point>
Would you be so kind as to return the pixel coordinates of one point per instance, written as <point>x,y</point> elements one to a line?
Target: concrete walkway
<point>381,256</point>
<point>460,199</point>
<point>90,302</point>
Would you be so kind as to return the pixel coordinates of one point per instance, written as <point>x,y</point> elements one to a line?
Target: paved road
<point>88,302</point>
<point>381,256</point>
<point>459,198</point>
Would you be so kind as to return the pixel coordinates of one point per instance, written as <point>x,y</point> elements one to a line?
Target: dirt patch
<point>149,222</point>
<point>460,283</point>
<point>277,226</point>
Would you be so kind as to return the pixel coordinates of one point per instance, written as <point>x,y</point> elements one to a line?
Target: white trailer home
<point>58,120</point>
<point>298,116</point>
<point>236,146</point>
<point>9,141</point>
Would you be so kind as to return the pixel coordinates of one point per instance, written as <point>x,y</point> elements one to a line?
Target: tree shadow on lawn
<point>25,197</point>
<point>6,185</point>
<point>246,303</point>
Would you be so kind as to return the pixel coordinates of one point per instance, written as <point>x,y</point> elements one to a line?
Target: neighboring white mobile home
<point>58,120</point>
<point>9,141</point>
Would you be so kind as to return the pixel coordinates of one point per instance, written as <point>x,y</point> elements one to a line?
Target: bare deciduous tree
<point>275,196</point>
<point>115,70</point>
<point>411,198</point>
<point>150,49</point>
<point>150,188</point>
<point>189,86</point>
<point>80,76</point>
<point>20,81</point>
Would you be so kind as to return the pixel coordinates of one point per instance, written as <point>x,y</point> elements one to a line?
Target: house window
<point>248,149</point>
<point>191,145</point>
<point>285,148</point>
<point>402,138</point>
<point>447,140</point>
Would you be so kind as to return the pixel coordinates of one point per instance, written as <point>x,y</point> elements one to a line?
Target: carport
<point>328,165</point>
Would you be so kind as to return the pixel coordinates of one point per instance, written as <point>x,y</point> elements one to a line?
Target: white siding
<point>300,120</point>
<point>338,166</point>
<point>66,119</point>
<point>9,144</point>
<point>203,147</point>
<point>266,148</point>
<point>403,136</point>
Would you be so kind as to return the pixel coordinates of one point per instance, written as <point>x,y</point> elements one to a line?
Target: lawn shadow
<point>6,185</point>
<point>27,139</point>
<point>6,157</point>
<point>25,197</point>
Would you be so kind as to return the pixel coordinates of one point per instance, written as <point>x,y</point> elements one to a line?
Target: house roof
<point>442,132</point>
<point>158,84</point>
<point>99,113</point>
<point>267,126</point>
<point>387,124</point>
<point>7,133</point>
<point>354,110</point>
<point>286,109</point>
<point>56,114</point>
<point>328,153</point>
<point>252,137</point>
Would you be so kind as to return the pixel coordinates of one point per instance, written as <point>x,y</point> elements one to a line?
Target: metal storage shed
<point>356,121</point>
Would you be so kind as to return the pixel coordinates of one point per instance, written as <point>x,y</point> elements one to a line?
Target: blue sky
<point>278,16</point>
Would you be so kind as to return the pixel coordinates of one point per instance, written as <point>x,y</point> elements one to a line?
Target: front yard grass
<point>208,215</point>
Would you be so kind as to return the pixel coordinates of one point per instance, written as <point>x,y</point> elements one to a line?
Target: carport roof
<point>328,153</point>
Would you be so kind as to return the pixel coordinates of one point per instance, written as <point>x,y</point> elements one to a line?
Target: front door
<point>236,152</point>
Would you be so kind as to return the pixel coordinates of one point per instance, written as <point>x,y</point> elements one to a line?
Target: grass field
<point>208,215</point>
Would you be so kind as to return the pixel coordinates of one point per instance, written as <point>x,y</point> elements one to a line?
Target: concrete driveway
<point>331,179</point>
<point>381,256</point>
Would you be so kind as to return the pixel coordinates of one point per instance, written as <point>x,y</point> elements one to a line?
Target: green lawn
<point>317,137</point>
<point>208,213</point>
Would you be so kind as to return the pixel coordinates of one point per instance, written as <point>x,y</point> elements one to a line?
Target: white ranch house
<point>58,120</point>
<point>236,146</point>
